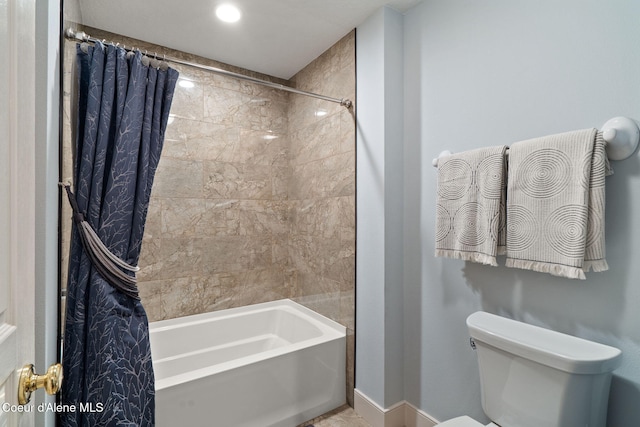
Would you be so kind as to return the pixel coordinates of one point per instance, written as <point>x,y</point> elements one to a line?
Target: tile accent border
<point>402,414</point>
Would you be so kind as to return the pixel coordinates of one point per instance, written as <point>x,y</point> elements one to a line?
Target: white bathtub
<point>271,364</point>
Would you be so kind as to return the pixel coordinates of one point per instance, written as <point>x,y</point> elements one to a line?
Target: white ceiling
<point>274,37</point>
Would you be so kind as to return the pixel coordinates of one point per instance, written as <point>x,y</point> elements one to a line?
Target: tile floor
<point>344,416</point>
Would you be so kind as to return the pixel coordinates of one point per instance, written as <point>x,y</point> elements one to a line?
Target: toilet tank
<point>534,377</point>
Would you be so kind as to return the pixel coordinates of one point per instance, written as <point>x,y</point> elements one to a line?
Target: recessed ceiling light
<point>228,13</point>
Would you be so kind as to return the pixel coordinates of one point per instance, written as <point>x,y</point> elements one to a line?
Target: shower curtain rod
<point>70,33</point>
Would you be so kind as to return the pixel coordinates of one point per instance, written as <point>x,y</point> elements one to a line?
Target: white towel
<point>555,204</point>
<point>594,257</point>
<point>470,205</point>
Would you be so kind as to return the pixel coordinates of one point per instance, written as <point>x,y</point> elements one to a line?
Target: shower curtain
<point>123,109</point>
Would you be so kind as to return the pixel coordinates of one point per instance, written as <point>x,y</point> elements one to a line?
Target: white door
<point>17,201</point>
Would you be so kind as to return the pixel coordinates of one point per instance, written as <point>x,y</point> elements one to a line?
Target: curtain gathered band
<point>108,265</point>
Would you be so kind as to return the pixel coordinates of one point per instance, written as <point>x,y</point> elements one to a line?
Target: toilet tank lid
<point>551,348</point>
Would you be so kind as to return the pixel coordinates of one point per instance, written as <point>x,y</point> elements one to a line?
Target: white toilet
<point>535,377</point>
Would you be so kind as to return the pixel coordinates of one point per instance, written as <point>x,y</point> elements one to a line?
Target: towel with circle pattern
<point>470,205</point>
<point>555,204</point>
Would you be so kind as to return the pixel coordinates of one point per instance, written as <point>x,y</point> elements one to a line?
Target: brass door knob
<point>30,381</point>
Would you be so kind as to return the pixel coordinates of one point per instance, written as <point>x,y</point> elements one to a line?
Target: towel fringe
<point>544,267</point>
<point>596,266</point>
<point>468,256</point>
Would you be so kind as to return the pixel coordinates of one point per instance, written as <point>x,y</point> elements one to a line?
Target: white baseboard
<point>369,410</point>
<point>402,414</point>
<point>414,417</point>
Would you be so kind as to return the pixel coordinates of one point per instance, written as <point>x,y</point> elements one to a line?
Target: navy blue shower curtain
<point>123,109</point>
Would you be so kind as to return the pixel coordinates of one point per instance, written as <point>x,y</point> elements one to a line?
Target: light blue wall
<point>379,239</point>
<point>480,73</point>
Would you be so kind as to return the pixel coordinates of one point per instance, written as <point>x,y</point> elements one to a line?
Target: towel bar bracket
<point>442,154</point>
<point>622,136</point>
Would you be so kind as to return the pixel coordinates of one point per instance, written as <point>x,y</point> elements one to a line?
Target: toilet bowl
<point>532,377</point>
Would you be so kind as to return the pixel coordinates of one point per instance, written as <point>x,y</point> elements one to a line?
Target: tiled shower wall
<point>254,197</point>
<point>321,242</point>
<point>218,221</point>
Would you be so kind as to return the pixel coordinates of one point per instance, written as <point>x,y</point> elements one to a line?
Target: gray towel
<point>555,204</point>
<point>470,205</point>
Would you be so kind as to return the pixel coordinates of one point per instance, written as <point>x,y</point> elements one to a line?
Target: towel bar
<point>621,134</point>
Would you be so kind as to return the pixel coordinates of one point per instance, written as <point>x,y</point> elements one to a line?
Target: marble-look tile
<point>250,287</point>
<point>280,253</point>
<point>237,181</point>
<point>236,253</point>
<point>340,263</point>
<point>347,135</point>
<point>280,182</point>
<point>252,89</point>
<point>323,264</point>
<point>332,73</point>
<point>151,297</point>
<point>343,52</point>
<point>347,309</point>
<point>222,106</point>
<point>170,258</point>
<point>188,102</point>
<point>303,254</point>
<point>166,299</point>
<point>259,217</point>
<point>251,112</point>
<point>326,303</point>
<point>332,217</point>
<point>181,217</point>
<point>316,141</point>
<point>221,217</point>
<point>304,111</point>
<point>178,178</point>
<point>330,177</point>
<point>198,140</point>
<point>259,148</point>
